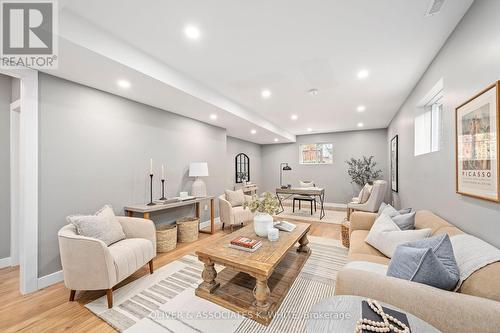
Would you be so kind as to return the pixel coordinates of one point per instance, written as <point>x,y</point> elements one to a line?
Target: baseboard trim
<point>50,279</point>
<point>206,224</point>
<point>5,262</point>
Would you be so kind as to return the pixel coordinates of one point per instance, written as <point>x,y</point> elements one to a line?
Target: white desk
<point>285,193</point>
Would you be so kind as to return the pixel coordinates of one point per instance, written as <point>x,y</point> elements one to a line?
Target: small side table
<point>344,312</point>
<point>250,189</point>
<point>345,228</point>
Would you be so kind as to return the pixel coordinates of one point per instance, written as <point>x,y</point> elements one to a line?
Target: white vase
<point>261,223</point>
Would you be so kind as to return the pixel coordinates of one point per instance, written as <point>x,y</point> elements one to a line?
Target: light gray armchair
<point>88,264</point>
<point>372,205</point>
<point>231,216</point>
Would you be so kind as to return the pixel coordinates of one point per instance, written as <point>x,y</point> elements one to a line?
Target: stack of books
<point>245,244</point>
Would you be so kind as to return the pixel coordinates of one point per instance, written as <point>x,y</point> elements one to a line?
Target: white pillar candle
<point>162,172</point>
<point>151,166</point>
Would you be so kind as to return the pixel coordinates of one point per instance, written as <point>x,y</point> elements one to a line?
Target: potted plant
<point>363,170</point>
<point>263,207</point>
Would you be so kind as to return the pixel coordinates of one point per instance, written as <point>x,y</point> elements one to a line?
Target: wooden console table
<point>146,210</point>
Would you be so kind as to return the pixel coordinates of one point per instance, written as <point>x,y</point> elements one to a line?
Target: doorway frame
<point>28,178</point>
<point>15,109</point>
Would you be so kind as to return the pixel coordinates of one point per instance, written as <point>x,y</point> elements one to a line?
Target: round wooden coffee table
<point>344,312</point>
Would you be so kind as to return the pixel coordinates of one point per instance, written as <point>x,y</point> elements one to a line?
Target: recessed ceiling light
<point>361,108</point>
<point>360,124</point>
<point>192,32</point>
<point>363,74</point>
<point>213,116</point>
<point>266,93</point>
<point>276,140</point>
<point>309,129</point>
<point>294,117</point>
<point>253,131</point>
<point>123,84</point>
<point>313,92</point>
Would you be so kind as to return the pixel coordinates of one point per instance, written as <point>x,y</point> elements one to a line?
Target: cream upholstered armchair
<point>232,216</point>
<point>377,196</point>
<point>88,264</point>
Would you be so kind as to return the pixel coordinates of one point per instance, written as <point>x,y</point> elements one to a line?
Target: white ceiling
<point>285,46</point>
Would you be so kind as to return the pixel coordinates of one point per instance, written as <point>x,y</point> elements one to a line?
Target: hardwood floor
<point>49,309</point>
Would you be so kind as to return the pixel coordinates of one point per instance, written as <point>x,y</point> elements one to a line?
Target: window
<point>316,153</point>
<point>428,123</point>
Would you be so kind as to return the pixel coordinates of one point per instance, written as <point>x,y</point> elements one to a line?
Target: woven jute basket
<point>166,237</point>
<point>187,229</point>
<point>345,233</point>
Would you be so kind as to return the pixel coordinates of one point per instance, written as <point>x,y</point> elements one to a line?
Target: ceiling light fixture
<point>294,117</point>
<point>123,84</point>
<point>361,108</point>
<point>213,116</point>
<point>360,125</point>
<point>192,32</point>
<point>313,92</point>
<point>363,74</point>
<point>253,131</point>
<point>276,140</point>
<point>266,93</point>
<point>309,129</point>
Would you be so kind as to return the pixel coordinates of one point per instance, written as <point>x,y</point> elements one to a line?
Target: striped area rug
<point>165,301</point>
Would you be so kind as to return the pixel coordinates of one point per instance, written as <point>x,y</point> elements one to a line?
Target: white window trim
<point>426,105</point>
<point>314,143</point>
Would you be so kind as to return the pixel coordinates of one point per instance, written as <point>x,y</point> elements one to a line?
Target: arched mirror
<point>242,167</point>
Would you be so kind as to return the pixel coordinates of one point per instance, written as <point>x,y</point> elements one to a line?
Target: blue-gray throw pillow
<point>383,205</point>
<point>405,221</point>
<point>430,261</point>
<point>405,211</point>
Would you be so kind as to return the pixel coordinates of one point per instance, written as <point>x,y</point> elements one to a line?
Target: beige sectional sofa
<point>474,308</point>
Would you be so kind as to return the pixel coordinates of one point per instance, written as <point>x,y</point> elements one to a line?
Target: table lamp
<point>283,167</point>
<point>198,169</point>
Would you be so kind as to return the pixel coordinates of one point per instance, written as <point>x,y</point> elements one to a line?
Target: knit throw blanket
<point>472,254</point>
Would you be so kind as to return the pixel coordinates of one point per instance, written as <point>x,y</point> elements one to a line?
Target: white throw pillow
<point>103,225</point>
<point>107,211</point>
<point>235,198</point>
<point>385,235</point>
<point>389,211</point>
<point>306,183</point>
<point>365,193</point>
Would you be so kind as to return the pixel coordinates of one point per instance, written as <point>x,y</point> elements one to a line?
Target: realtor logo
<point>28,35</point>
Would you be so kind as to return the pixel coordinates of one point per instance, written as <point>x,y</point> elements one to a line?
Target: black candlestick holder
<point>151,203</point>
<point>163,190</point>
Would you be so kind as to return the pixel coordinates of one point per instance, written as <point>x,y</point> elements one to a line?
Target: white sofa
<point>88,264</point>
<point>231,216</point>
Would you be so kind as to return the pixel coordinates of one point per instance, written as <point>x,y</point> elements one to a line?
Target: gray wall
<point>254,153</point>
<point>469,62</point>
<point>333,177</point>
<point>95,149</point>
<point>5,96</point>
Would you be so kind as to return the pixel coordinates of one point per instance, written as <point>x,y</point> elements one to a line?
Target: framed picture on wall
<point>477,145</point>
<point>394,163</point>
